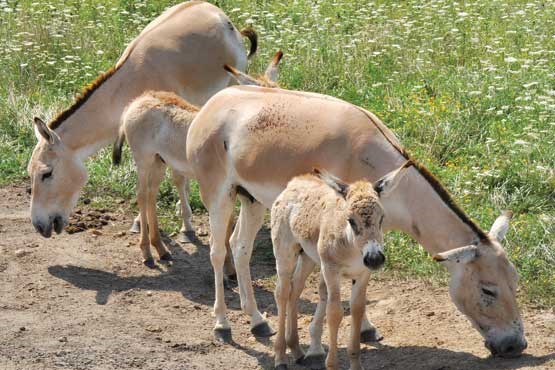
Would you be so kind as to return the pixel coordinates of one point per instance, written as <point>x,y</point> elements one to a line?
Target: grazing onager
<point>248,142</point>
<point>155,125</point>
<point>182,51</point>
<point>339,227</point>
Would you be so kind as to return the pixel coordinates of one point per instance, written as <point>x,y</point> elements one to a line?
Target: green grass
<point>469,88</point>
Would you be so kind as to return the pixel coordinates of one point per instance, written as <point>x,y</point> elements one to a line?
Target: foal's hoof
<point>187,237</point>
<point>370,336</point>
<point>223,335</point>
<point>314,362</point>
<point>166,257</point>
<point>149,263</point>
<point>136,227</point>
<point>263,330</point>
<point>281,367</point>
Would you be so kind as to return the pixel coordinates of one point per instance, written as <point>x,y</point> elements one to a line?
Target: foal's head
<point>364,213</point>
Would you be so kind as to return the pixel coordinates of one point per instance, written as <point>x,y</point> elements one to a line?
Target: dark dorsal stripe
<point>433,181</point>
<point>82,98</point>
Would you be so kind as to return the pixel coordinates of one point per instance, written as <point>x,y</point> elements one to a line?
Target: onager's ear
<point>501,225</point>
<point>341,187</point>
<point>240,77</point>
<point>459,255</point>
<point>42,130</point>
<point>389,182</point>
<point>272,69</point>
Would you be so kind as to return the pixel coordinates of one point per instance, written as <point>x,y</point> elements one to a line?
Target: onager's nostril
<point>58,224</point>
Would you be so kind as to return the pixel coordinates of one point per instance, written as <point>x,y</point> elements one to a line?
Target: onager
<point>250,141</point>
<point>181,51</point>
<point>155,125</point>
<point>339,227</point>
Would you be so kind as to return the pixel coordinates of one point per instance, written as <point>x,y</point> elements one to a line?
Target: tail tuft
<point>253,38</point>
<point>116,152</point>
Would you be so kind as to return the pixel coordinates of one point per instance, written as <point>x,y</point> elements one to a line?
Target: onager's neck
<point>417,208</point>
<point>96,122</point>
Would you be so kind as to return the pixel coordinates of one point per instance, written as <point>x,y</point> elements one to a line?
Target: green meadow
<point>468,87</point>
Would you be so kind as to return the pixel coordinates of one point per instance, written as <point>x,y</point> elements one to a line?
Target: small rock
<point>202,233</point>
<point>153,329</point>
<point>430,314</point>
<point>86,201</point>
<point>62,339</point>
<point>149,293</point>
<point>23,328</point>
<point>21,252</point>
<point>196,307</point>
<point>120,234</point>
<point>96,232</point>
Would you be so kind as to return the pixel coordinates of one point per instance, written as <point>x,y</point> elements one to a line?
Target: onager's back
<point>339,227</point>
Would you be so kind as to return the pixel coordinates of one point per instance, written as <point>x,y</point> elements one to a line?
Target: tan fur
<point>181,51</point>
<point>156,126</point>
<point>275,135</point>
<point>310,216</point>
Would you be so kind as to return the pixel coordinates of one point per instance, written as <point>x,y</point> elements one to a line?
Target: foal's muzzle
<point>374,260</point>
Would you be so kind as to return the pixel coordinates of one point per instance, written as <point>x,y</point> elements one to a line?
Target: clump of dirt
<point>83,220</point>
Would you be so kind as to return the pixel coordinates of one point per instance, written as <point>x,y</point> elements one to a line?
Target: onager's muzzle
<point>55,222</point>
<point>507,346</point>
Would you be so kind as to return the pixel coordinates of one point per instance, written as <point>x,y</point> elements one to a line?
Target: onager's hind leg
<point>250,220</point>
<point>220,210</point>
<point>303,269</point>
<point>285,253</point>
<point>156,175</point>
<point>187,232</point>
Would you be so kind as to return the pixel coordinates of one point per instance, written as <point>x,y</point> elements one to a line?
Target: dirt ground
<point>85,301</point>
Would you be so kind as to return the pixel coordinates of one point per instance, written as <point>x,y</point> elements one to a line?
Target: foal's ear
<point>272,69</point>
<point>240,77</point>
<point>42,130</point>
<point>341,187</point>
<point>389,182</point>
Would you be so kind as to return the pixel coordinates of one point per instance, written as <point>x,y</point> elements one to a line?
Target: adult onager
<point>252,140</point>
<point>155,125</point>
<point>338,226</point>
<point>182,51</point>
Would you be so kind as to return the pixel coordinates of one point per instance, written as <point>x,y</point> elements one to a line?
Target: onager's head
<point>364,213</point>
<point>57,176</point>
<point>483,286</point>
<point>268,79</point>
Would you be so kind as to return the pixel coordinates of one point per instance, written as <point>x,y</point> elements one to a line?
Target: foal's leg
<point>220,210</point>
<point>143,172</point>
<point>251,218</point>
<point>156,175</point>
<point>285,264</point>
<point>316,354</point>
<point>187,232</point>
<point>304,267</point>
<point>334,312</point>
<point>358,300</point>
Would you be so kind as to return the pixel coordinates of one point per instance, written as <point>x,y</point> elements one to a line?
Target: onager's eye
<point>353,226</point>
<point>489,293</point>
<point>46,175</point>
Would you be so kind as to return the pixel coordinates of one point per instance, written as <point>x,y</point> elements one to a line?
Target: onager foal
<point>339,227</point>
<point>156,125</point>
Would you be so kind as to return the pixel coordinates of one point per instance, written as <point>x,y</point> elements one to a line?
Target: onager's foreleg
<point>334,312</point>
<point>250,220</point>
<point>187,232</point>
<point>358,303</point>
<point>157,172</point>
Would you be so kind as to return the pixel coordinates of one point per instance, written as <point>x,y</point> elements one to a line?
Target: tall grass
<point>469,87</point>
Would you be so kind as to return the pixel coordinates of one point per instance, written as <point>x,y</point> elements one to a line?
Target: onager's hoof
<point>187,237</point>
<point>223,335</point>
<point>281,367</point>
<point>136,227</point>
<point>149,263</point>
<point>370,336</point>
<point>314,362</point>
<point>263,330</point>
<point>166,257</point>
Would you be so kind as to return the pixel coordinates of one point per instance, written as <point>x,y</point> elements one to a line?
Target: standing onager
<point>339,227</point>
<point>155,125</point>
<point>180,51</point>
<point>251,141</point>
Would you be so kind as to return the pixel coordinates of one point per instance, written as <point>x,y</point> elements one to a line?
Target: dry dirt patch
<point>85,301</point>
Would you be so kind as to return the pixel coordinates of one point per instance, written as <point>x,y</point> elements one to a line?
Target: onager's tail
<point>253,38</point>
<point>118,145</point>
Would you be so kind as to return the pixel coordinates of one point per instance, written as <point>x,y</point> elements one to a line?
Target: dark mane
<point>81,98</point>
<point>434,183</point>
